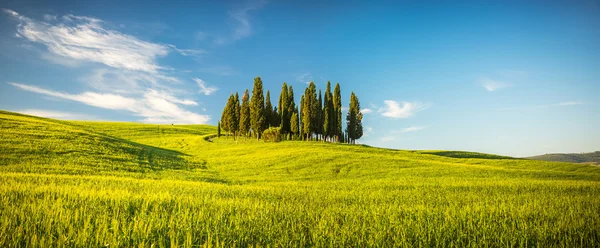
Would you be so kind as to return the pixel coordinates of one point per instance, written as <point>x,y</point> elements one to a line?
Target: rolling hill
<point>591,157</point>
<point>75,183</point>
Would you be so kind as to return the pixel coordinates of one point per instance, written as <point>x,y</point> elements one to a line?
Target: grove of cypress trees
<point>337,109</point>
<point>257,108</point>
<point>245,114</point>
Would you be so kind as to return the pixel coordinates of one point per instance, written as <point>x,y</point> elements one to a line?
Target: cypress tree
<point>328,119</point>
<point>309,111</point>
<point>218,129</point>
<point>337,109</point>
<point>283,110</point>
<point>257,108</point>
<point>268,111</point>
<point>226,113</point>
<point>236,115</point>
<point>301,117</point>
<point>294,125</point>
<point>275,118</point>
<point>245,114</point>
<point>319,116</point>
<point>232,119</point>
<point>354,120</point>
<point>291,105</point>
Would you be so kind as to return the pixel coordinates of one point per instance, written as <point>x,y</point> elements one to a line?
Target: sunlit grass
<point>124,184</point>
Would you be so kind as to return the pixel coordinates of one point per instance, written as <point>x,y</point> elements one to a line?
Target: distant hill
<point>592,157</point>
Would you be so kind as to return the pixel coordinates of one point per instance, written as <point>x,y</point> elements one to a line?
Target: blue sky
<point>507,77</point>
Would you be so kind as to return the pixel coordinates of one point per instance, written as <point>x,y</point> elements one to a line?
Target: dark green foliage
<point>231,116</point>
<point>272,134</point>
<point>268,111</point>
<point>225,116</point>
<point>309,111</point>
<point>275,120</point>
<point>337,109</point>
<point>319,116</point>
<point>354,127</point>
<point>294,124</point>
<point>218,129</point>
<point>328,117</point>
<point>257,108</point>
<point>245,114</point>
<point>291,105</point>
<point>284,115</point>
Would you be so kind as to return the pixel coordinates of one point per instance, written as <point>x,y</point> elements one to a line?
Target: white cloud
<point>492,85</point>
<point>244,27</point>
<point>366,111</point>
<point>56,114</point>
<point>393,109</point>
<point>204,87</point>
<point>387,139</point>
<point>153,106</point>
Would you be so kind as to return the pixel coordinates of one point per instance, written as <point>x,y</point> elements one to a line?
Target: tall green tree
<point>354,120</point>
<point>337,109</point>
<point>245,114</point>
<point>301,117</point>
<point>319,116</point>
<point>232,116</point>
<point>275,118</point>
<point>219,129</point>
<point>291,105</point>
<point>257,108</point>
<point>294,124</point>
<point>268,111</point>
<point>328,118</point>
<point>283,110</point>
<point>309,111</point>
<point>225,116</point>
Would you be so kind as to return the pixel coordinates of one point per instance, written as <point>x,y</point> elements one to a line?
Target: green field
<point>91,184</point>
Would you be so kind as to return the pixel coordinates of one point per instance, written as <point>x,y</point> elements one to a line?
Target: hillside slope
<point>591,157</point>
<point>72,183</point>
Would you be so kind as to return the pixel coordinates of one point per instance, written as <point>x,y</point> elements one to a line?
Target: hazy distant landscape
<point>591,157</point>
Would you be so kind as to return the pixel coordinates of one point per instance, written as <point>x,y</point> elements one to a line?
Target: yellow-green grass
<point>89,184</point>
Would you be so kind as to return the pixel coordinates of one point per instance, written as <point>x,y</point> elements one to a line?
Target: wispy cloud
<point>125,75</point>
<point>394,109</point>
<point>204,87</point>
<point>57,114</point>
<point>153,106</point>
<point>243,25</point>
<point>305,77</point>
<point>408,129</point>
<point>544,106</point>
<point>492,85</point>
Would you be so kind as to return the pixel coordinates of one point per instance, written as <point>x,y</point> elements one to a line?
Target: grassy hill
<point>591,157</point>
<point>72,183</point>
